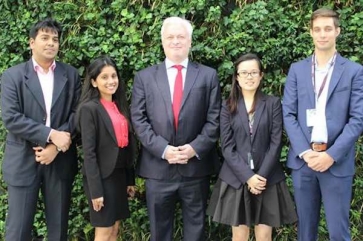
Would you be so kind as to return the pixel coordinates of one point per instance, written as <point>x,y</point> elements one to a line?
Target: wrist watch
<point>59,149</point>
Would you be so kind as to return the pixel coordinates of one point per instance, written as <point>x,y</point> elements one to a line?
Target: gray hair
<point>177,20</point>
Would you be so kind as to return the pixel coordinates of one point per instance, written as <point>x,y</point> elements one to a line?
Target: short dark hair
<point>46,25</point>
<point>325,13</point>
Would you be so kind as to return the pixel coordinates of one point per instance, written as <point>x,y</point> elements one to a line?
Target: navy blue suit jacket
<point>264,145</point>
<point>344,112</point>
<point>152,118</point>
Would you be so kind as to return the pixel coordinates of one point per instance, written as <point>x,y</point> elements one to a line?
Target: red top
<point>119,123</point>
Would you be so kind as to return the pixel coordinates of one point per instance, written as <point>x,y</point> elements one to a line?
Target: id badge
<point>250,161</point>
<point>310,117</point>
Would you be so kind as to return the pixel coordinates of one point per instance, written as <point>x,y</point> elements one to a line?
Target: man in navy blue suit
<point>323,116</point>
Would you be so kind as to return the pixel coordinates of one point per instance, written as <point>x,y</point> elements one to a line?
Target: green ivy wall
<point>129,31</point>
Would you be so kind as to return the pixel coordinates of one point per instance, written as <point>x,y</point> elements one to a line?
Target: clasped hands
<point>60,140</point>
<point>256,184</point>
<point>318,161</point>
<point>179,154</point>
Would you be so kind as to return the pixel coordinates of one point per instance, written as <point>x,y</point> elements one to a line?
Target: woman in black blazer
<point>251,188</point>
<point>108,146</point>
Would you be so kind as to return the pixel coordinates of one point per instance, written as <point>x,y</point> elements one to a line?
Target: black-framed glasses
<point>245,74</point>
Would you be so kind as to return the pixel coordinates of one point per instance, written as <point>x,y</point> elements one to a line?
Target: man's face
<point>324,33</point>
<point>176,42</point>
<point>45,45</point>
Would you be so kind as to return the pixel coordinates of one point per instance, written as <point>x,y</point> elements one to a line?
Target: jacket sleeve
<point>12,111</point>
<point>209,134</point>
<point>153,142</point>
<point>236,162</point>
<point>89,144</point>
<point>274,151</point>
<point>298,141</point>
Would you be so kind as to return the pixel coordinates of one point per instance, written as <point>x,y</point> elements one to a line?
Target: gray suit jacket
<point>24,116</point>
<point>152,118</point>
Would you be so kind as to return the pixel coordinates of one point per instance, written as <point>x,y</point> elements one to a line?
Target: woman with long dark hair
<point>108,146</point>
<point>251,189</point>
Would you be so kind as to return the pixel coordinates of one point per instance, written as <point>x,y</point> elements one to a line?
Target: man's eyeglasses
<point>244,74</point>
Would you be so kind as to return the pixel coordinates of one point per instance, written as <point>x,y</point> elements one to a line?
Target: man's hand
<point>174,156</point>
<point>187,151</point>
<point>61,139</point>
<point>310,155</point>
<point>45,155</point>
<point>322,162</point>
<point>97,203</point>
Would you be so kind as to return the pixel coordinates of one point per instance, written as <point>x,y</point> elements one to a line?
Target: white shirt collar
<point>170,64</point>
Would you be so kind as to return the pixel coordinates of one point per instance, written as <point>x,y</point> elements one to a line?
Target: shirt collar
<point>328,65</point>
<point>169,64</point>
<point>37,67</point>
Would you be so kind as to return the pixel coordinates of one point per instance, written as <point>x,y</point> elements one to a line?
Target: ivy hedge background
<point>129,31</point>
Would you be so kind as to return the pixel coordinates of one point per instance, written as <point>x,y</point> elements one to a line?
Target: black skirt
<point>116,205</point>
<point>273,207</point>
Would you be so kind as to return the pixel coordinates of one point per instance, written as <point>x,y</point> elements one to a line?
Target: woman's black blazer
<point>100,148</point>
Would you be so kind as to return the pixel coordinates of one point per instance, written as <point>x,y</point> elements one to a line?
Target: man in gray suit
<point>175,112</point>
<point>38,101</point>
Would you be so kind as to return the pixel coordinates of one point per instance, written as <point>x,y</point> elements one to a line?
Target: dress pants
<point>310,188</point>
<point>161,197</point>
<point>22,202</point>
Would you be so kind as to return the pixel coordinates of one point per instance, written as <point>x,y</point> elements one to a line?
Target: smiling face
<point>106,82</point>
<point>324,34</point>
<point>249,75</point>
<point>176,42</point>
<point>45,45</point>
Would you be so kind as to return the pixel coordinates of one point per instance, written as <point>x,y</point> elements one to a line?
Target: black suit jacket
<point>24,116</point>
<point>100,147</point>
<point>264,144</point>
<point>152,118</point>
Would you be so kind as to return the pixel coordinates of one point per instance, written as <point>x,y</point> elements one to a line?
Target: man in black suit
<point>38,101</point>
<point>175,112</point>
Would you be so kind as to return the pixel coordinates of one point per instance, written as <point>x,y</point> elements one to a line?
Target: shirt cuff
<point>163,156</point>
<point>302,153</point>
<point>48,139</point>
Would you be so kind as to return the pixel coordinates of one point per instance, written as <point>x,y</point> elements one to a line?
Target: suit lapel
<point>336,75</point>
<point>106,120</point>
<point>242,114</point>
<point>309,81</point>
<point>60,80</point>
<point>260,107</point>
<point>33,84</point>
<point>190,78</point>
<point>162,82</point>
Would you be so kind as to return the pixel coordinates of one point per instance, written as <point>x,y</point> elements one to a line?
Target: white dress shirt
<point>172,72</point>
<point>319,130</point>
<point>47,83</point>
